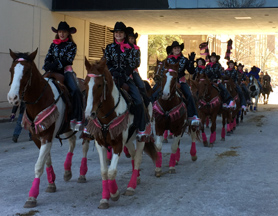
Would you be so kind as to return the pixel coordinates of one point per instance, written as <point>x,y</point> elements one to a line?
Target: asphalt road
<point>236,177</point>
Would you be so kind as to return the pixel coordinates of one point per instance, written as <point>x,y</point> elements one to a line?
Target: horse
<point>44,117</point>
<point>255,91</point>
<point>231,120</point>
<point>209,104</point>
<point>170,114</point>
<point>111,123</point>
<point>266,88</point>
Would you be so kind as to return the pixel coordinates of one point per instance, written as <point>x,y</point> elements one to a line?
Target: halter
<point>174,86</point>
<point>103,97</point>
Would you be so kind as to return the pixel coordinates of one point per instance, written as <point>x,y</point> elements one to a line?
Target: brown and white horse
<point>110,121</point>
<point>44,117</point>
<point>170,114</point>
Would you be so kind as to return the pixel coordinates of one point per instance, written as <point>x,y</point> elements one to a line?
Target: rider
<point>184,64</point>
<point>59,59</point>
<point>135,74</point>
<point>201,67</point>
<point>214,71</point>
<point>255,72</point>
<point>268,79</point>
<point>122,59</point>
<point>233,74</point>
<point>241,81</point>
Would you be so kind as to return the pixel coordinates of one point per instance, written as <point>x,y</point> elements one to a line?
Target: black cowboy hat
<point>130,32</point>
<point>231,61</point>
<point>201,59</point>
<point>64,26</point>
<point>119,26</point>
<point>168,50</point>
<point>254,68</point>
<point>175,44</point>
<point>216,56</point>
<point>240,65</point>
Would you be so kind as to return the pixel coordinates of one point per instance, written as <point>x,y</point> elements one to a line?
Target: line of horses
<point>109,116</point>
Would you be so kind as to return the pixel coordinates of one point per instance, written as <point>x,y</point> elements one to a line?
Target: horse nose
<point>165,96</point>
<point>13,99</point>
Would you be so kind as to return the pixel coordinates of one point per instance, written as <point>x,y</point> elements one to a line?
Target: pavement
<point>5,111</point>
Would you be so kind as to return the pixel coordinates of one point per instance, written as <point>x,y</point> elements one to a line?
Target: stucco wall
<point>25,26</point>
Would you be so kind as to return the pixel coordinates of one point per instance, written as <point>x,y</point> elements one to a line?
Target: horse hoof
<point>177,163</point>
<point>223,139</point>
<point>30,203</point>
<point>172,171</point>
<point>103,206</point>
<point>170,137</point>
<point>211,145</point>
<point>165,141</point>
<point>115,197</point>
<point>51,188</point>
<point>138,180</point>
<point>207,126</point>
<point>229,133</point>
<point>158,173</point>
<point>194,158</point>
<point>67,175</point>
<point>129,192</point>
<point>82,179</point>
<point>205,143</point>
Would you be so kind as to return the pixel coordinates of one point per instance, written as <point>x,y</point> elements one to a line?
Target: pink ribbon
<point>58,41</point>
<point>123,45</point>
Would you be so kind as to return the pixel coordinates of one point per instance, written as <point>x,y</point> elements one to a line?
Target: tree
<point>240,3</point>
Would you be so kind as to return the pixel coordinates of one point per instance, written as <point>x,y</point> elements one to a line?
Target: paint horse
<point>231,120</point>
<point>110,122</point>
<point>44,117</point>
<point>254,89</point>
<point>209,104</point>
<point>170,114</point>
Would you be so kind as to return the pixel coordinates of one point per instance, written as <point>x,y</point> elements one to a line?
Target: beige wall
<point>25,26</point>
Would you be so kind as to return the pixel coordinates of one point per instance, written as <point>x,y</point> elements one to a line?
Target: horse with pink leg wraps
<point>45,116</point>
<point>170,114</point>
<point>110,121</point>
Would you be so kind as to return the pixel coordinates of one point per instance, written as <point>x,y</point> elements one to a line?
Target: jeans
<point>241,96</point>
<point>191,108</point>
<point>225,95</point>
<point>245,92</point>
<point>18,127</point>
<point>141,86</point>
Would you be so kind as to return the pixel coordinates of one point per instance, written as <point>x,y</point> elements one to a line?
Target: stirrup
<point>194,120</point>
<point>144,136</point>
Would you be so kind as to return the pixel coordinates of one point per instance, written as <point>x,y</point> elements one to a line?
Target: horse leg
<point>158,164</point>
<point>50,175</point>
<point>135,172</point>
<point>207,122</point>
<point>102,153</point>
<point>165,136</point>
<point>193,151</point>
<point>178,154</point>
<point>170,135</point>
<point>204,137</point>
<point>174,148</point>
<point>68,161</point>
<point>83,166</point>
<point>223,132</point>
<point>212,129</point>
<point>34,191</point>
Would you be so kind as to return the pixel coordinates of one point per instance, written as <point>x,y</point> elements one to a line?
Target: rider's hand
<point>192,56</point>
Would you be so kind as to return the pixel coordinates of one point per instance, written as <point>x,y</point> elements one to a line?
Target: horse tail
<point>151,150</point>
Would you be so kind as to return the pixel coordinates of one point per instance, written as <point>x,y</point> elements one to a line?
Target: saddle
<point>128,100</point>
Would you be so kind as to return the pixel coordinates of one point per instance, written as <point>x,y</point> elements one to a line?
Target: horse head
<point>169,80</point>
<point>204,86</point>
<point>158,70</point>
<point>21,75</point>
<point>98,83</point>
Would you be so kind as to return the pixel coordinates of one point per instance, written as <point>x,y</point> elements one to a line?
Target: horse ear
<point>103,63</point>
<point>13,55</point>
<point>32,56</point>
<point>87,64</point>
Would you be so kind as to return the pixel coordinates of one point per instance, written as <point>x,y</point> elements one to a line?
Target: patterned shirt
<point>184,64</point>
<point>214,71</point>
<point>232,74</point>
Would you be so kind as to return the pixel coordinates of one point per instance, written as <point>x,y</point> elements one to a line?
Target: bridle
<point>103,96</point>
<point>174,88</point>
<point>29,84</point>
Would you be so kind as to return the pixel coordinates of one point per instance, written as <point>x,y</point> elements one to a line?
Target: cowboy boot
<point>77,101</point>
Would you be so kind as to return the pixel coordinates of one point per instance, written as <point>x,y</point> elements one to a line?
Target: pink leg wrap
<point>113,187</point>
<point>228,127</point>
<point>133,181</point>
<point>178,154</point>
<point>126,150</point>
<point>105,190</point>
<point>231,126</point>
<point>193,150</point>
<point>34,191</point>
<point>109,153</point>
<point>207,122</point>
<point>165,135</point>
<point>158,162</point>
<point>50,174</point>
<point>212,137</point>
<point>83,167</point>
<point>67,164</point>
<point>172,162</point>
<point>171,134</point>
<point>204,137</point>
<point>223,132</point>
<point>234,123</point>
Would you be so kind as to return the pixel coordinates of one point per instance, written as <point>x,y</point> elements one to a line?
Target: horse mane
<point>23,55</point>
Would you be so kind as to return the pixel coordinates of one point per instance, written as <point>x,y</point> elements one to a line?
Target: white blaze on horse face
<point>167,86</point>
<point>90,98</point>
<point>13,95</point>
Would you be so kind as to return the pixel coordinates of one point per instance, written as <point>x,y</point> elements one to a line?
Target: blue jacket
<point>255,73</point>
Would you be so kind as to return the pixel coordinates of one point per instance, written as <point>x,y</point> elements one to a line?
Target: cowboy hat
<point>64,26</point>
<point>119,26</point>
<point>175,44</point>
<point>213,54</point>
<point>130,32</point>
